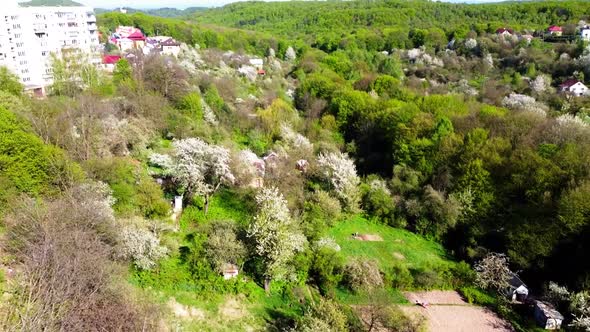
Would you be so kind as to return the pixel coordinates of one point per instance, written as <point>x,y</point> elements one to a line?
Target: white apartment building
<point>28,35</point>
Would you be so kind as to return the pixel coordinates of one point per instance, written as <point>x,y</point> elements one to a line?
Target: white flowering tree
<point>201,168</point>
<point>521,102</point>
<point>340,171</point>
<point>290,54</point>
<point>275,234</point>
<point>493,272</point>
<point>294,139</point>
<point>141,246</point>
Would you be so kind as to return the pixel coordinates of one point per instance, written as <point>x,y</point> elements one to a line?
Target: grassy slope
<point>418,252</point>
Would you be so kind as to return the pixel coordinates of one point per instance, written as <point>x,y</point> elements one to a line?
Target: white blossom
<point>142,246</point>
<point>294,139</point>
<point>517,101</point>
<point>271,52</point>
<point>290,54</point>
<point>200,168</point>
<point>340,171</point>
<point>275,233</point>
<point>327,242</point>
<point>249,72</point>
<point>208,114</point>
<point>568,120</point>
<point>470,43</point>
<point>580,307</point>
<point>162,161</point>
<point>541,84</point>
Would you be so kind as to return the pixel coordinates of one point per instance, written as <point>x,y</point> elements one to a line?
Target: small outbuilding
<point>555,30</point>
<point>504,32</point>
<point>230,271</point>
<point>547,317</point>
<point>516,291</point>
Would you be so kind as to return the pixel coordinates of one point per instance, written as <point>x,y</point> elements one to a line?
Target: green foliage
<point>27,165</point>
<point>123,72</point>
<point>475,295</point>
<point>10,82</point>
<point>133,189</point>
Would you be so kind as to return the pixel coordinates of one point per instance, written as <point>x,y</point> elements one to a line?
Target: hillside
<point>160,12</point>
<point>304,166</point>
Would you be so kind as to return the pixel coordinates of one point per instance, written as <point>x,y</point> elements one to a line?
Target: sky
<point>182,4</point>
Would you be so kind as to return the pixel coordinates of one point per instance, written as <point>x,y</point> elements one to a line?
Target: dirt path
<point>448,312</point>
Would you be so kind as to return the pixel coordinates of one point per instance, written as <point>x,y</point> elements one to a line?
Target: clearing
<point>447,311</point>
<point>395,245</point>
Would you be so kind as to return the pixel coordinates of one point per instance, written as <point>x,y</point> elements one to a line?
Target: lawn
<point>399,246</point>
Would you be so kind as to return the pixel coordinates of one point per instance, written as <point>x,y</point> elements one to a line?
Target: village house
<point>555,30</point>
<point>170,47</point>
<point>230,271</point>
<point>547,317</point>
<point>574,87</point>
<point>527,37</point>
<point>128,38</point>
<point>516,291</point>
<point>258,63</point>
<point>109,62</point>
<point>585,33</point>
<point>504,32</point>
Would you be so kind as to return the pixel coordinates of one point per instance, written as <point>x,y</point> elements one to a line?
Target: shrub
<point>426,278</point>
<point>475,295</point>
<point>326,269</point>
<point>326,315</point>
<point>400,277</point>
<point>142,246</point>
<point>362,275</point>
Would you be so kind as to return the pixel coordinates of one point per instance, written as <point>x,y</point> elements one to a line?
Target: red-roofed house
<point>574,87</point>
<point>555,30</point>
<point>505,32</point>
<point>170,47</point>
<point>109,61</point>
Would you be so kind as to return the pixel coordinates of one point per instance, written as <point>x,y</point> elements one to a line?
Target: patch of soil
<point>183,311</point>
<point>448,312</point>
<point>232,309</point>
<point>368,237</point>
<point>435,297</point>
<point>399,256</point>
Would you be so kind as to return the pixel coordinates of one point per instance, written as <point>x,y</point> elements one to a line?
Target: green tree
<point>10,82</point>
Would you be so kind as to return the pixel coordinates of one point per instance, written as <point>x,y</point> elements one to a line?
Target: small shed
<point>230,271</point>
<point>517,290</point>
<point>547,317</point>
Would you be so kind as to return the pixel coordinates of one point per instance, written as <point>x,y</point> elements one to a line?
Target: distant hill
<point>48,3</point>
<point>160,12</point>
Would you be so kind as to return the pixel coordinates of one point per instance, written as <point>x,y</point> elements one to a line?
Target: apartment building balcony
<point>90,18</point>
<point>92,26</point>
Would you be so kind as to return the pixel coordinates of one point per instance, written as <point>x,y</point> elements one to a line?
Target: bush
<point>326,315</point>
<point>475,295</point>
<point>426,278</point>
<point>400,277</point>
<point>321,211</point>
<point>326,269</point>
<point>362,275</point>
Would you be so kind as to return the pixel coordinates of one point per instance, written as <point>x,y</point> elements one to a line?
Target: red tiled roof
<point>170,42</point>
<point>554,28</point>
<point>568,83</point>
<point>502,30</point>
<point>137,35</point>
<point>110,59</point>
<point>261,72</point>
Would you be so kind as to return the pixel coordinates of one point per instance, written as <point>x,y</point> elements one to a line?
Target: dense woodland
<point>411,119</point>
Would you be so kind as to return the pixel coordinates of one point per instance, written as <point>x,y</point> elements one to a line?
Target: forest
<point>383,149</point>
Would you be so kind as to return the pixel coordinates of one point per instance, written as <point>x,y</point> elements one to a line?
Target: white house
<point>258,63</point>
<point>574,87</point>
<point>516,290</point>
<point>170,47</point>
<point>547,317</point>
<point>28,36</point>
<point>585,33</point>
